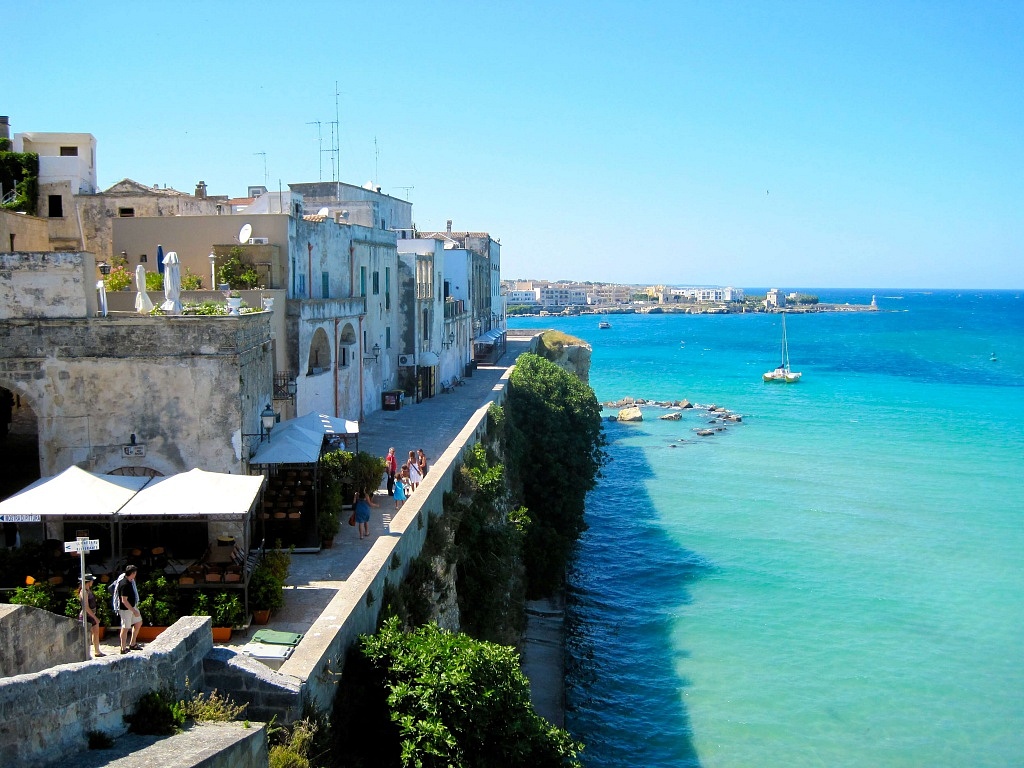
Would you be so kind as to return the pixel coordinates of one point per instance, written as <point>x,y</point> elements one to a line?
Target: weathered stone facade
<point>187,388</point>
<point>32,640</point>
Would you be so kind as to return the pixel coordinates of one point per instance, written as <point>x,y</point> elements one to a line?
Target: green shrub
<point>190,281</point>
<point>555,442</point>
<point>38,595</point>
<point>437,698</point>
<point>154,281</point>
<point>158,714</point>
<point>118,279</point>
<point>209,708</point>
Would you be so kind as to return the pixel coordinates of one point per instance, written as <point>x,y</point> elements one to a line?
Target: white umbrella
<point>142,303</point>
<point>172,284</point>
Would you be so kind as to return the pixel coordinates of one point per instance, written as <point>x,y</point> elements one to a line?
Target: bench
<point>457,382</point>
<point>447,386</point>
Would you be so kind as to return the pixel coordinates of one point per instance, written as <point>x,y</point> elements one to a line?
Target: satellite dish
<point>323,211</point>
<point>245,233</point>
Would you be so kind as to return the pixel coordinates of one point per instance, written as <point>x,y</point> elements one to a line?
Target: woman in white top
<point>414,470</point>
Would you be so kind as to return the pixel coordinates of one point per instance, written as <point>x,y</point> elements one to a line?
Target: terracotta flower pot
<point>148,634</point>
<point>222,634</point>
<point>261,616</point>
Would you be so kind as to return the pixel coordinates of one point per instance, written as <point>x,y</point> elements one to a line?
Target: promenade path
<point>315,579</point>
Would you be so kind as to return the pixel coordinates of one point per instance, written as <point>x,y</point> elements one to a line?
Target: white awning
<point>196,494</point>
<point>74,492</point>
<point>428,359</point>
<point>299,441</point>
<point>490,337</point>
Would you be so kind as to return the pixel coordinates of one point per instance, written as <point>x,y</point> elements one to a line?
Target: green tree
<point>435,698</point>
<point>555,443</point>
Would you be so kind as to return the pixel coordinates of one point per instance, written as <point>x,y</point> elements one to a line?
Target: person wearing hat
<point>88,612</point>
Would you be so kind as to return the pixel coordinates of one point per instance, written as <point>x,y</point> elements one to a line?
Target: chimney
<point>5,127</point>
<point>201,190</point>
<point>449,225</point>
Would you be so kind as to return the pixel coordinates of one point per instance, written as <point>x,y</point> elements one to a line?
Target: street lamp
<point>375,352</point>
<point>447,343</point>
<point>213,271</point>
<point>268,418</point>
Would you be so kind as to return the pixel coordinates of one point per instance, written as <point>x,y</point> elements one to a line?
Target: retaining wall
<point>45,717</point>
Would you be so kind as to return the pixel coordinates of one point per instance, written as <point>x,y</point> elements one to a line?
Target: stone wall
<point>47,285</point>
<point>187,387</point>
<point>32,640</point>
<point>45,717</point>
<point>354,610</point>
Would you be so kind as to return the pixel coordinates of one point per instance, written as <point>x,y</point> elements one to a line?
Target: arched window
<point>347,339</point>
<point>319,353</point>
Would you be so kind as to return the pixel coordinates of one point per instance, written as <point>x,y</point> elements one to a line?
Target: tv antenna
<point>265,177</point>
<point>320,142</point>
<point>406,190</point>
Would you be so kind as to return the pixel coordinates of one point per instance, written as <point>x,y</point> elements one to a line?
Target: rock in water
<point>632,413</point>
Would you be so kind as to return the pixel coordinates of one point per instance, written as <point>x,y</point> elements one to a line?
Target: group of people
<point>125,602</point>
<point>405,479</point>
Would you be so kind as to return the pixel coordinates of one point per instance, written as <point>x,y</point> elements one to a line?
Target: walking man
<point>127,595</point>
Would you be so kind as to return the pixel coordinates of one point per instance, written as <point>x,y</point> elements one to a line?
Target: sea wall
<point>32,640</point>
<point>46,716</point>
<point>354,610</point>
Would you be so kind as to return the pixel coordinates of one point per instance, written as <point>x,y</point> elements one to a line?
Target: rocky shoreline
<point>629,411</point>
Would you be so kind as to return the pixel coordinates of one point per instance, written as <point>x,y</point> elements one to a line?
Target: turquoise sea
<point>836,581</point>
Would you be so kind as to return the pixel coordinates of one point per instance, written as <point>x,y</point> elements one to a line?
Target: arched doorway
<point>19,443</point>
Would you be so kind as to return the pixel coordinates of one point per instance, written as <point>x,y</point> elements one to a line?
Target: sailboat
<point>782,373</point>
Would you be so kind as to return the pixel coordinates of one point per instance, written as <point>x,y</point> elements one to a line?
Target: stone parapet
<point>45,717</point>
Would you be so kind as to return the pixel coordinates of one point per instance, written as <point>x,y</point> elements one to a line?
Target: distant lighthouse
<point>874,304</point>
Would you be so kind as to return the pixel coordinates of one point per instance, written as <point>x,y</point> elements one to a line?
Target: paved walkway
<point>314,579</point>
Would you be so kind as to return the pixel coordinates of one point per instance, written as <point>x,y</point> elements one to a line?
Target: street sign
<point>87,545</point>
<point>20,518</point>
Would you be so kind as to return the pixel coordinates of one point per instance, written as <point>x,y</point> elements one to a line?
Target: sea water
<point>835,581</point>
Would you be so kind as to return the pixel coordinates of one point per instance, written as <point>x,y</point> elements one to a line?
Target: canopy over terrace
<point>75,502</point>
<point>291,458</point>
<point>224,503</point>
<point>300,440</point>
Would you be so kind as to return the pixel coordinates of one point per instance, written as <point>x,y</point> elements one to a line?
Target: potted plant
<point>158,606</point>
<point>328,526</point>
<point>234,302</point>
<point>38,595</point>
<point>228,612</point>
<point>266,593</point>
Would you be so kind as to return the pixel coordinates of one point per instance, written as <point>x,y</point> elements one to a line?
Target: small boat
<point>783,374</point>
<point>604,324</point>
<point>993,358</point>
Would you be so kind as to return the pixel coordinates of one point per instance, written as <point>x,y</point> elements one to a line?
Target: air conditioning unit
<point>259,241</point>
<point>408,360</point>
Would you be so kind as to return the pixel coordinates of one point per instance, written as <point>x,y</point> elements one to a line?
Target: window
<point>143,258</point>
<point>387,337</point>
<point>302,285</point>
<point>387,287</point>
<point>426,324</point>
<point>319,353</point>
<point>376,282</point>
<point>56,206</point>
<point>69,151</point>
<point>126,213</point>
<point>362,281</point>
<point>325,285</point>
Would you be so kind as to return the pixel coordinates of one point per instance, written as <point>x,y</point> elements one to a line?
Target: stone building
<point>127,393</point>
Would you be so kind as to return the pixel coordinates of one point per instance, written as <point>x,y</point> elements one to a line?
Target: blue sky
<point>793,144</point>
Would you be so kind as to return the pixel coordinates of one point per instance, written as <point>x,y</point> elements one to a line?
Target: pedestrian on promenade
<point>126,595</point>
<point>399,492</point>
<point>88,612</point>
<point>415,476</point>
<point>421,462</point>
<point>392,468</point>
<point>362,503</point>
